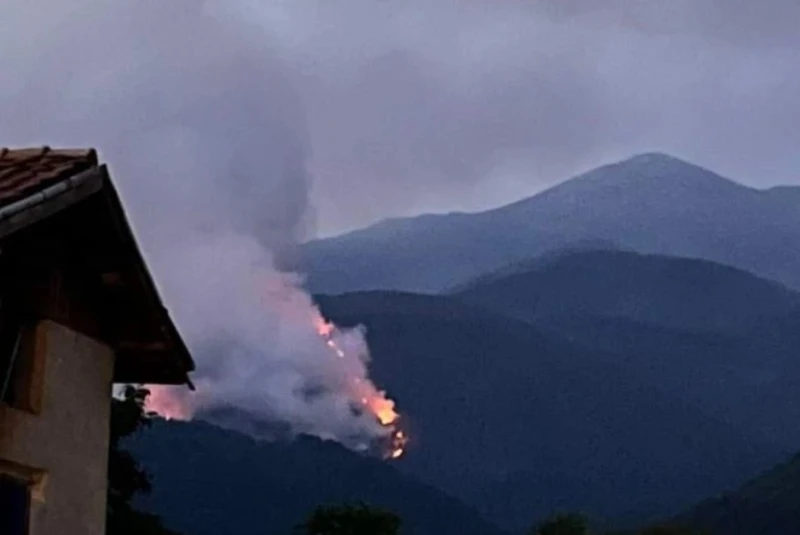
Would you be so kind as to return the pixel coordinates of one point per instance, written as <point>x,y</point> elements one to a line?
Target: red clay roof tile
<point>23,172</point>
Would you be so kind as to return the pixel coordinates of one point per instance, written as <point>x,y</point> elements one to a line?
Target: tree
<point>563,524</point>
<point>125,477</point>
<point>661,529</point>
<point>358,519</point>
<point>669,530</point>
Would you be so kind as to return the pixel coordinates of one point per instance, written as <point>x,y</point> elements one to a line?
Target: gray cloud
<point>446,104</point>
<point>738,22</point>
<point>451,104</point>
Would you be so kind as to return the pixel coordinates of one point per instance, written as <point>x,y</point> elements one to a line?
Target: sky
<point>440,105</point>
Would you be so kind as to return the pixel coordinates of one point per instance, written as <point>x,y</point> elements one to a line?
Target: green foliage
<point>125,477</point>
<point>356,519</point>
<point>563,524</point>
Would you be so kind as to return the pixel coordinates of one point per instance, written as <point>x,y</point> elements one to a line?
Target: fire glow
<point>369,397</point>
<point>177,403</point>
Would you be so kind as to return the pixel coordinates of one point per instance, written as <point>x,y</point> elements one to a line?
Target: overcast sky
<point>434,105</point>
<point>439,105</point>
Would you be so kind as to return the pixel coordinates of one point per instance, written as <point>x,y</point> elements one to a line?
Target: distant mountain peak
<point>662,165</point>
<point>650,202</point>
<point>655,158</point>
<point>653,170</point>
<point>642,179</point>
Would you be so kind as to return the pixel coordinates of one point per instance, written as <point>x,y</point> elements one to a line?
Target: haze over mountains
<point>624,344</point>
<point>649,203</point>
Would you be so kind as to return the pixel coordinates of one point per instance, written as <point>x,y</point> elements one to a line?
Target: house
<point>78,312</point>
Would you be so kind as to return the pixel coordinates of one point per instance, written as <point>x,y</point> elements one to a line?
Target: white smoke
<point>207,145</point>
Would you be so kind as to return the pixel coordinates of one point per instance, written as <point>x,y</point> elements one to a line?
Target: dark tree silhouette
<point>563,524</point>
<point>125,477</point>
<point>670,530</point>
<point>661,529</point>
<point>359,519</point>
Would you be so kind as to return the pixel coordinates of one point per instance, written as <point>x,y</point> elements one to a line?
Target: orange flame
<point>375,401</point>
<point>398,444</point>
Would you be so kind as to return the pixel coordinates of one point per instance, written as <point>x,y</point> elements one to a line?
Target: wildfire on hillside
<point>370,398</point>
<point>176,403</point>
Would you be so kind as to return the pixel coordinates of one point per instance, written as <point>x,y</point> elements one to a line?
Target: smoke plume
<point>206,141</point>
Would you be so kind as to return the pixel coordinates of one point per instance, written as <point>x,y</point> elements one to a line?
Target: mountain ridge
<point>719,336</point>
<point>636,160</point>
<point>694,293</point>
<point>575,417</point>
<point>766,504</point>
<point>270,487</point>
<point>647,203</point>
<point>645,169</point>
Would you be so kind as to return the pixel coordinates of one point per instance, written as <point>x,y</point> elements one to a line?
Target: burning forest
<point>368,397</point>
<point>366,400</point>
<point>327,367</point>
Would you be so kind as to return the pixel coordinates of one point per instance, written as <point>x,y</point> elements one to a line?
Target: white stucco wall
<point>67,442</point>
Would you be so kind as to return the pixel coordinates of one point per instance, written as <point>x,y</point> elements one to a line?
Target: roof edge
<point>178,346</point>
<point>50,200</point>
